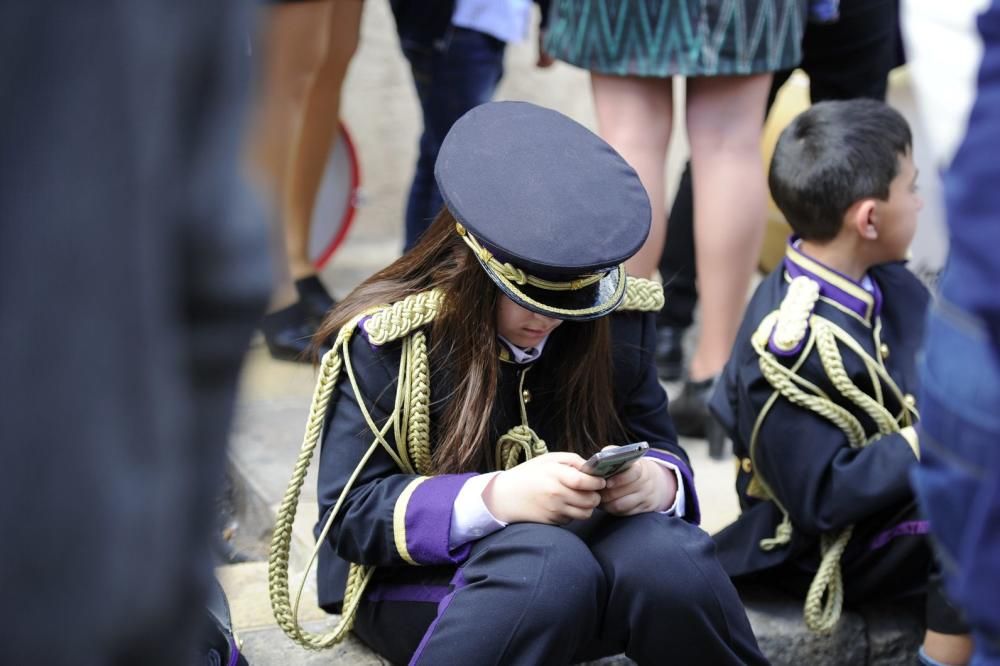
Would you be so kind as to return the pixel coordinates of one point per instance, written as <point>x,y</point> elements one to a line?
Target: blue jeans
<point>452,74</point>
<point>958,479</point>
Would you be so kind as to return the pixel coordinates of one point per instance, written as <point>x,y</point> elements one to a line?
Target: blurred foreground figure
<point>955,57</point>
<point>130,278</point>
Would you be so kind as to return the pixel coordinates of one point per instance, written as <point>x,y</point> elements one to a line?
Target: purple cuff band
<point>907,528</point>
<point>692,512</point>
<point>428,520</point>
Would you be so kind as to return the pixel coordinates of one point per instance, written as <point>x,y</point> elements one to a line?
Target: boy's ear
<point>862,219</point>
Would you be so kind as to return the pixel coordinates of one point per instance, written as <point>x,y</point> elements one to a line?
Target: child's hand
<point>549,489</point>
<point>644,486</point>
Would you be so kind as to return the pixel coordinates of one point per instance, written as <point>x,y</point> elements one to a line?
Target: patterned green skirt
<point>677,37</point>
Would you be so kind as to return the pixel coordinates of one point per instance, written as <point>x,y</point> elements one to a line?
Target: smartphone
<point>611,461</point>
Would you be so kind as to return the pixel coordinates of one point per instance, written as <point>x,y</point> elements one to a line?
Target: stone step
<point>881,635</point>
<point>266,438</point>
<point>268,646</point>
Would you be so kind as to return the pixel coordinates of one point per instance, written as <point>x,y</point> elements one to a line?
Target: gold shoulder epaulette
<point>786,328</point>
<point>395,321</point>
<point>642,295</point>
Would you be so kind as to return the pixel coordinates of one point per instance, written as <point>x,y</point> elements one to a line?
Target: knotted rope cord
<point>642,295</point>
<point>825,598</point>
<point>520,438</point>
<point>410,422</point>
<point>833,364</point>
<point>877,371</point>
<point>395,321</point>
<point>411,408</point>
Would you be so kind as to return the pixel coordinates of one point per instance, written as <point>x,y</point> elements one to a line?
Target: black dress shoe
<point>670,352</point>
<point>316,301</point>
<point>288,334</point>
<point>689,411</point>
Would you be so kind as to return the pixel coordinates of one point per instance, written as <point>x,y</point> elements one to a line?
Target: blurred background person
<point>954,53</point>
<point>845,58</point>
<point>455,49</point>
<point>721,50</point>
<point>133,270</point>
<point>306,46</point>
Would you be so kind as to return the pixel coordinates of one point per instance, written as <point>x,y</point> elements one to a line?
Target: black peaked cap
<point>540,191</point>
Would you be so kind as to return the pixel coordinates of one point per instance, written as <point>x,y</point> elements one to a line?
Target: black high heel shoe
<point>288,334</point>
<point>692,418</point>
<point>689,411</point>
<point>315,300</point>
<point>670,352</point>
<point>717,438</point>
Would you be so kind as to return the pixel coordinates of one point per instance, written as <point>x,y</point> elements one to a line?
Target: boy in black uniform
<point>818,393</point>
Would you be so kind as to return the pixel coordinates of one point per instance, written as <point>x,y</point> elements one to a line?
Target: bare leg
<point>312,143</point>
<point>948,648</point>
<point>725,115</point>
<point>635,115</point>
<point>293,46</point>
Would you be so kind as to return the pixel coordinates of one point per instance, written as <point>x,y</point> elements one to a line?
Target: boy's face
<point>898,215</point>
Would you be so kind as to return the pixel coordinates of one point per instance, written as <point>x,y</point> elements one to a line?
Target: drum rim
<point>348,218</point>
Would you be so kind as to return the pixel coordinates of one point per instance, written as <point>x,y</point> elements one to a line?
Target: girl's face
<point>522,327</point>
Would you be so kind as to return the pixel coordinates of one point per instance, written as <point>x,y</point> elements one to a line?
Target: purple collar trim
<point>834,285</point>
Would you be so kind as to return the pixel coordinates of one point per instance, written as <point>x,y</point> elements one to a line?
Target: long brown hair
<point>464,347</point>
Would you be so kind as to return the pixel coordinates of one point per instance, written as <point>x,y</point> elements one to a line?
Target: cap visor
<point>590,302</point>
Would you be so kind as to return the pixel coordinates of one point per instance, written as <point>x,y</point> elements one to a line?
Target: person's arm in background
<point>130,286</point>
<point>544,59</point>
<point>954,59</point>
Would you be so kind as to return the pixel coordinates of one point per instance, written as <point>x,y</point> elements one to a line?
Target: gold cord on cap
<point>518,275</point>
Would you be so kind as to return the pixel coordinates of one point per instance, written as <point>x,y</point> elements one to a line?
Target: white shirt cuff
<point>677,508</point>
<point>470,519</point>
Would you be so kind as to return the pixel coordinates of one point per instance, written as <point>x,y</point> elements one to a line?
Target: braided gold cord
<point>782,535</point>
<point>417,420</point>
<point>329,372</point>
<point>399,319</point>
<point>794,313</point>
<point>521,438</point>
<point>411,407</point>
<point>781,378</point>
<point>833,364</point>
<point>824,600</point>
<point>876,368</point>
<point>642,295</point>
<point>518,275</point>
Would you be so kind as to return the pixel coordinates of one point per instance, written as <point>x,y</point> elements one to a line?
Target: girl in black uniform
<point>468,383</point>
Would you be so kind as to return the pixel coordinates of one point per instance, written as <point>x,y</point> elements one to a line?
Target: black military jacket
<point>804,459</point>
<point>391,519</point>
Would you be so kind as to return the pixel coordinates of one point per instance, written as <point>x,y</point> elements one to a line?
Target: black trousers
<point>844,60</point>
<point>647,585</point>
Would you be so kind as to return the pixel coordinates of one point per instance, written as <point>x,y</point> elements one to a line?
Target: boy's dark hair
<point>832,155</point>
